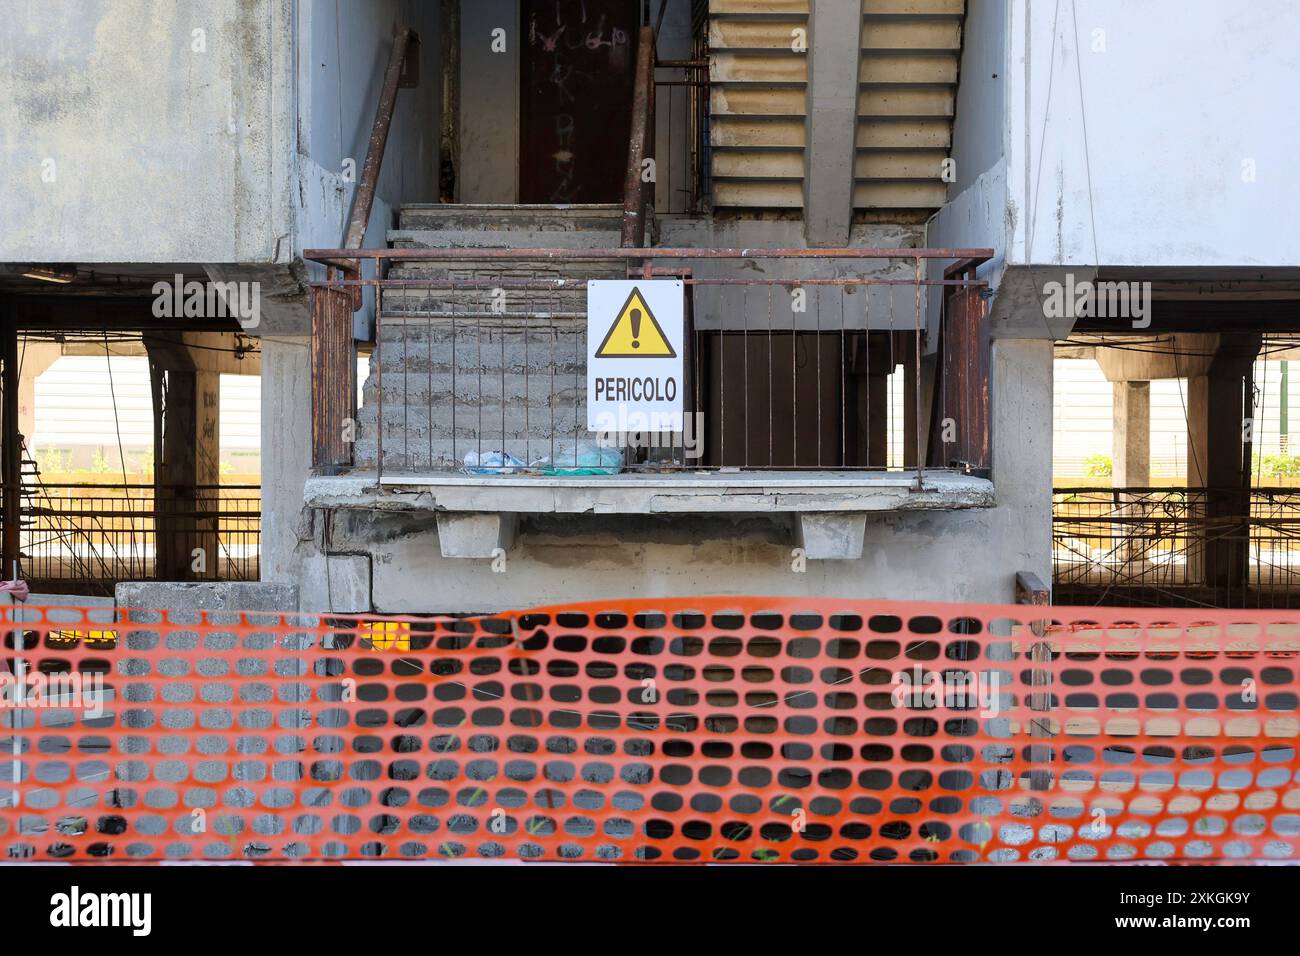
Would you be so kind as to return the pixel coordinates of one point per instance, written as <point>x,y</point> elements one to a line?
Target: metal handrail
<point>637,189</point>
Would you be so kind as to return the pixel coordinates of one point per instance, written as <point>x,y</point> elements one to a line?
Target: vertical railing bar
<point>579,369</point>
<point>771,379</point>
<point>920,464</point>
<point>697,373</point>
<point>744,348</point>
<point>550,400</point>
<point>406,400</point>
<point>478,318</point>
<point>722,386</point>
<point>844,385</point>
<point>794,388</point>
<point>455,395</point>
<point>505,325</point>
<point>378,359</point>
<point>817,344</point>
<point>528,395</point>
<point>428,390</point>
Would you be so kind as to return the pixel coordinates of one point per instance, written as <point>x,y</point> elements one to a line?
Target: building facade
<point>883,216</point>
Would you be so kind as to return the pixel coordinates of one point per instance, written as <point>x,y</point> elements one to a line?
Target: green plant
<point>1277,466</point>
<point>1099,466</point>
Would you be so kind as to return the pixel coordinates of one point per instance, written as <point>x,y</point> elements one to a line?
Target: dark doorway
<point>579,65</point>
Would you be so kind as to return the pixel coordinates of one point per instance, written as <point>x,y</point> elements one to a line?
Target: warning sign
<point>635,333</point>
<point>635,344</point>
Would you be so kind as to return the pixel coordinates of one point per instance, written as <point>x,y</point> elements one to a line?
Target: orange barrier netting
<point>674,730</point>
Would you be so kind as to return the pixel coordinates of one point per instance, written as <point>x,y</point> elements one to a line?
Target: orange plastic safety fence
<point>702,730</point>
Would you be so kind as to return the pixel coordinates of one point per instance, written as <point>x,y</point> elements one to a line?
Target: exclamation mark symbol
<point>636,328</point>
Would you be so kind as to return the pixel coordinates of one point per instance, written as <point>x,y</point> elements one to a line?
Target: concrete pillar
<point>1131,435</point>
<point>1217,408</point>
<point>186,546</point>
<point>833,50</point>
<point>1131,460</point>
<point>1198,421</point>
<point>286,451</point>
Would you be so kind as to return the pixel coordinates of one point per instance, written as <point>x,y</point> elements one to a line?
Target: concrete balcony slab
<point>692,492</point>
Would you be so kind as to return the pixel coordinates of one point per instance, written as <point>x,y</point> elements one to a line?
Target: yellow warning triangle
<point>635,333</point>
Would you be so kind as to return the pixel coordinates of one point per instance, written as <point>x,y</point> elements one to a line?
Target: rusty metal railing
<point>85,538</point>
<point>332,348</point>
<point>638,187</point>
<point>478,351</point>
<point>1168,547</point>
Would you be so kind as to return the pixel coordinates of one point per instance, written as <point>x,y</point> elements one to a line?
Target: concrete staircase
<point>759,87</point>
<point>483,369</point>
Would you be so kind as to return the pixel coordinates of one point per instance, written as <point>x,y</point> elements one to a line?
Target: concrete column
<point>286,452</point>
<point>1198,421</point>
<point>1131,459</point>
<point>188,457</point>
<point>1131,435</point>
<point>1217,408</point>
<point>835,45</point>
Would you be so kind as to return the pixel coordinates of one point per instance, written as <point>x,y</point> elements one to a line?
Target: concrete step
<point>506,383</point>
<point>497,238</point>
<point>569,300</point>
<point>486,270</point>
<point>501,371</point>
<point>447,217</point>
<point>409,442</point>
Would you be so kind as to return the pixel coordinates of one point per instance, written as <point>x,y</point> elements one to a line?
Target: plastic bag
<point>492,463</point>
<point>581,458</point>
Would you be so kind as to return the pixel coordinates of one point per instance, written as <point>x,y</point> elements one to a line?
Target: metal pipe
<point>634,186</point>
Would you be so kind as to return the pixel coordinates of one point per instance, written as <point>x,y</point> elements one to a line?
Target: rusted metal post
<point>333,348</point>
<point>634,191</point>
<point>333,379</point>
<point>405,45</point>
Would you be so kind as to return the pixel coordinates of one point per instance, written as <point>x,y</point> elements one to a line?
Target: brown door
<point>579,64</point>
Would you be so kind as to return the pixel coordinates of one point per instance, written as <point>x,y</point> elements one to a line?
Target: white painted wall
<point>1176,95</point>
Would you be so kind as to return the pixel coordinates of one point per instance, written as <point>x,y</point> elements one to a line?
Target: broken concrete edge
<point>714,493</point>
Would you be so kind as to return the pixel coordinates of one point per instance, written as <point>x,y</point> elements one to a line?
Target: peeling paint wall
<point>214,133</point>
<point>342,51</point>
